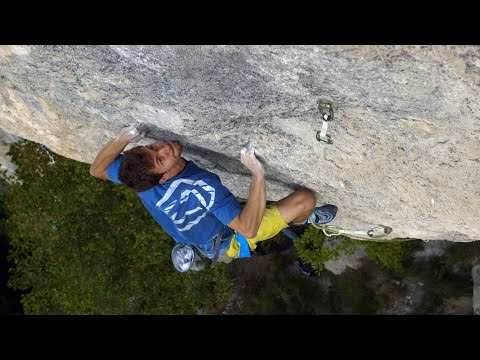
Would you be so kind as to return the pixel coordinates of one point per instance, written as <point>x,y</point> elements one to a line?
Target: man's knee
<point>297,206</point>
<point>306,199</point>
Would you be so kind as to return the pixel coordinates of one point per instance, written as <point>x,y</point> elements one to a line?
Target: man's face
<point>164,155</point>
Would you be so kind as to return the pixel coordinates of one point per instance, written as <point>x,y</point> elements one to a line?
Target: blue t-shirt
<point>191,206</point>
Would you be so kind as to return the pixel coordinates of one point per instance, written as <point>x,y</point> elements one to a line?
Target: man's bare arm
<point>105,157</point>
<point>114,147</point>
<point>249,220</point>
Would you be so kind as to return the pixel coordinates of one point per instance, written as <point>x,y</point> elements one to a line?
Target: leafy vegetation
<point>462,252</point>
<point>84,246</point>
<point>278,291</point>
<point>440,283</point>
<point>315,248</point>
<point>351,294</point>
<point>394,255</point>
<point>9,299</point>
<point>356,292</point>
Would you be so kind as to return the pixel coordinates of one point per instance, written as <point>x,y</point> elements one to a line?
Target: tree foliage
<point>394,255</point>
<point>84,246</point>
<point>315,248</point>
<point>281,290</point>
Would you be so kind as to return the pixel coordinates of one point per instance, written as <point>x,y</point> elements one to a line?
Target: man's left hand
<point>249,159</point>
<point>133,133</point>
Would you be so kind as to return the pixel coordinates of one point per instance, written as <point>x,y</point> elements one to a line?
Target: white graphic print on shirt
<point>180,209</point>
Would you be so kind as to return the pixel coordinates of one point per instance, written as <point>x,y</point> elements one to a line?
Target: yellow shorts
<point>272,224</point>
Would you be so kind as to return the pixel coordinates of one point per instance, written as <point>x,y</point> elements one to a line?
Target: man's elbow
<point>93,172</point>
<point>246,228</point>
<point>98,174</point>
<point>250,233</point>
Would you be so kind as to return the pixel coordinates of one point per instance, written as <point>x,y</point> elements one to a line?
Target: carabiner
<point>381,230</point>
<point>326,111</point>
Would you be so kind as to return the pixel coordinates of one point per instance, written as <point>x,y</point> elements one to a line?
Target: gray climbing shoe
<point>323,214</point>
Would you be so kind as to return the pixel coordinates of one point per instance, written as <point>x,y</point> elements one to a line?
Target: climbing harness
<point>216,247</point>
<point>187,257</point>
<point>326,111</point>
<point>372,234</point>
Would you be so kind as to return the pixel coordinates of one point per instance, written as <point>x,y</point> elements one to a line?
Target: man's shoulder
<point>196,170</point>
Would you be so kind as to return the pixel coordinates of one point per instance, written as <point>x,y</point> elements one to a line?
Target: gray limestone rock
<point>5,161</point>
<point>406,131</point>
<point>344,261</point>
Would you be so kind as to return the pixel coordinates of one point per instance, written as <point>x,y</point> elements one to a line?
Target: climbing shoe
<point>323,214</point>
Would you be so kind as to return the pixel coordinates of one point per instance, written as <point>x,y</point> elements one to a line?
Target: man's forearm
<point>252,213</point>
<point>106,156</point>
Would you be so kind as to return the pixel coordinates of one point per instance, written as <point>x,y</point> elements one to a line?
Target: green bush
<point>84,246</point>
<point>394,255</point>
<point>314,248</point>
<point>282,292</point>
<point>463,252</point>
<point>351,294</point>
<point>440,283</point>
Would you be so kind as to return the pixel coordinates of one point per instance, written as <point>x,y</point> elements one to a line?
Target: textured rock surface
<point>406,132</point>
<point>353,261</point>
<point>5,161</point>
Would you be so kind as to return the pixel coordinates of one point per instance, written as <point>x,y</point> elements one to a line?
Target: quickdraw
<point>326,111</point>
<point>373,234</point>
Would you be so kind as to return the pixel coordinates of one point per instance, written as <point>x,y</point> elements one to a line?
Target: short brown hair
<point>136,170</point>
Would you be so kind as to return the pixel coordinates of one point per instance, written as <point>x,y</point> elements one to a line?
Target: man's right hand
<point>248,221</point>
<point>114,147</point>
<point>249,159</point>
<point>133,133</point>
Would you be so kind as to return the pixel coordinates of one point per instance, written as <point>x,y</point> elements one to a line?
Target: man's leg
<point>298,206</point>
<point>295,209</point>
